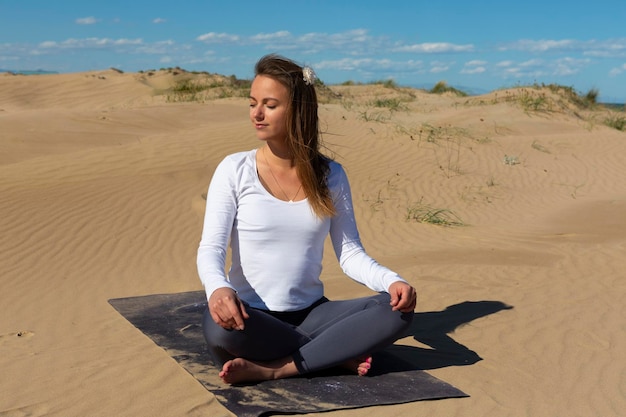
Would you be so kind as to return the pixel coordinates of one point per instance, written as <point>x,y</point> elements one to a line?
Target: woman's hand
<point>226,309</point>
<point>403,297</point>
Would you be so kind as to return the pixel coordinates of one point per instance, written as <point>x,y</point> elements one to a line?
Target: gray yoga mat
<point>173,322</point>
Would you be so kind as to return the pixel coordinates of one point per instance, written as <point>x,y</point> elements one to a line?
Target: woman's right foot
<point>241,370</point>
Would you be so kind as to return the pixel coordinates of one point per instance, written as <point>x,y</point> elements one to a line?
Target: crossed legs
<point>335,333</point>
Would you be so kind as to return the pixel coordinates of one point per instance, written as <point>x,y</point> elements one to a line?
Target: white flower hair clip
<point>308,75</point>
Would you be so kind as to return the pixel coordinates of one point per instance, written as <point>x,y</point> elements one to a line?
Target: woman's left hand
<point>403,297</point>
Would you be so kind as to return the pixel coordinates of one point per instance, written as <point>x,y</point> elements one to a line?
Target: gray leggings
<point>328,334</point>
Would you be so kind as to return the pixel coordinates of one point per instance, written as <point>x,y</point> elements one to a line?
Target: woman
<point>269,318</point>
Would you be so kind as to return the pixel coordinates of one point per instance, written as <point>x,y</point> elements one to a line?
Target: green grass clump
<point>189,87</point>
<point>424,213</point>
<point>393,104</point>
<point>587,100</point>
<point>549,98</point>
<point>442,87</point>
<point>204,87</point>
<point>591,98</point>
<point>385,83</point>
<point>187,91</point>
<point>534,101</point>
<point>374,116</point>
<point>616,122</point>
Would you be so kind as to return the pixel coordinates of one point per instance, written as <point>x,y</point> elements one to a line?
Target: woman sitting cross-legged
<point>268,317</point>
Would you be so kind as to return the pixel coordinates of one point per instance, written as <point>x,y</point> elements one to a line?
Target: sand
<point>102,184</point>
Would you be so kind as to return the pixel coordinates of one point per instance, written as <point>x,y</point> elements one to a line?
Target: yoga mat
<point>173,322</point>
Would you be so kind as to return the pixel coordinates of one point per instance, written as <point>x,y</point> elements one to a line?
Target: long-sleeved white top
<point>277,246</point>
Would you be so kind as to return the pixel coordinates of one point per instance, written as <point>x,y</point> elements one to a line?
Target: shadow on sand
<point>433,329</point>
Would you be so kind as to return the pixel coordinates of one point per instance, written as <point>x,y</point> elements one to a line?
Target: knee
<point>214,334</point>
<point>209,327</point>
<point>218,340</point>
<point>403,320</point>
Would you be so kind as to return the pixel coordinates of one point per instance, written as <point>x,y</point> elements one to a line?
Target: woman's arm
<point>221,208</point>
<point>225,307</point>
<point>354,261</point>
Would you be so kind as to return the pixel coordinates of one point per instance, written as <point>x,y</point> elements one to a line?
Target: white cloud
<point>532,68</point>
<point>345,64</point>
<point>531,63</point>
<point>158,20</point>
<point>474,67</point>
<point>347,39</point>
<point>617,71</point>
<point>473,70</point>
<point>608,49</point>
<point>48,44</point>
<point>86,20</point>
<point>597,48</point>
<point>569,66</point>
<point>434,48</point>
<point>271,37</point>
<point>353,42</point>
<point>371,66</point>
<point>88,43</point>
<point>159,48</point>
<point>540,45</point>
<point>357,42</point>
<point>437,67</point>
<point>504,64</point>
<point>540,68</point>
<point>213,37</point>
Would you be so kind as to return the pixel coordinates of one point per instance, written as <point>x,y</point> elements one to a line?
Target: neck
<point>278,156</point>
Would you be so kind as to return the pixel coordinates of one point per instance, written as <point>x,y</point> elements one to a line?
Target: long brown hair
<point>303,137</point>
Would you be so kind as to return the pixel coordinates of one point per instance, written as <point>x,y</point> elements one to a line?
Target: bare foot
<point>360,365</point>
<point>242,370</point>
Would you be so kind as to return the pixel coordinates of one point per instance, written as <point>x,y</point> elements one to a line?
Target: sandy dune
<point>102,177</point>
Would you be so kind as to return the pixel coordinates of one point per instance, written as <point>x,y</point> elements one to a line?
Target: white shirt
<point>277,246</point>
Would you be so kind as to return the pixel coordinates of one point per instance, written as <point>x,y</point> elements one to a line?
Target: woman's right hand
<point>226,309</point>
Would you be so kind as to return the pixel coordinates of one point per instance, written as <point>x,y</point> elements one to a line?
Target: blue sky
<point>477,45</point>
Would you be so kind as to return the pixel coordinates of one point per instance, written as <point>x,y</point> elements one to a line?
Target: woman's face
<point>269,108</point>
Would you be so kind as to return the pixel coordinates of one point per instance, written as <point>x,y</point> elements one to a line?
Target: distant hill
<point>29,72</point>
<point>470,91</point>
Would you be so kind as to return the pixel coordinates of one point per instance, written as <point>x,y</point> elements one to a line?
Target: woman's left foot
<point>361,366</point>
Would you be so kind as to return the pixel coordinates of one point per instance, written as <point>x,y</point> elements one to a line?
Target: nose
<point>257,113</point>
